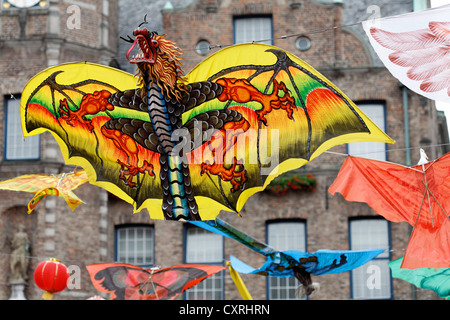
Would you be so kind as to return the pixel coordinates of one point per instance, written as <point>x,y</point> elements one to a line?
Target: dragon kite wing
<point>129,282</point>
<point>292,113</point>
<point>49,101</point>
<point>205,143</point>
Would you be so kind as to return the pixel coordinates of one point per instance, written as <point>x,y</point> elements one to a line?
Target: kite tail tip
<point>304,291</point>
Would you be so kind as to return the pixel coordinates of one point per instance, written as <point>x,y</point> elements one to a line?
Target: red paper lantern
<point>51,276</point>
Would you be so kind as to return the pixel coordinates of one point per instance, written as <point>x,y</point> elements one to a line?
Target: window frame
<point>242,17</point>
<point>275,221</point>
<point>186,229</point>
<point>388,258</point>
<point>7,100</point>
<point>383,106</point>
<point>129,226</point>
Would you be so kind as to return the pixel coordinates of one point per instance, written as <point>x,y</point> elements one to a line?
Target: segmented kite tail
<point>178,200</point>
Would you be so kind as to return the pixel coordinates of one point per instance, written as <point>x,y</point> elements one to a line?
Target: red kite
<point>418,195</point>
<point>129,282</point>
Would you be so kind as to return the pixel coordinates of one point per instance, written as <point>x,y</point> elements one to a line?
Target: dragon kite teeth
<point>138,57</point>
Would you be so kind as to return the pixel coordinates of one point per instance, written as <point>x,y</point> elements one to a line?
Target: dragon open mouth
<point>146,54</point>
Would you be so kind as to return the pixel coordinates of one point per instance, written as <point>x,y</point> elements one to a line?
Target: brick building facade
<point>33,39</point>
<point>90,233</point>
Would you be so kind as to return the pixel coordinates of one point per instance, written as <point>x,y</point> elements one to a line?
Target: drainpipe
<point>338,35</point>
<point>406,121</point>
<point>408,151</point>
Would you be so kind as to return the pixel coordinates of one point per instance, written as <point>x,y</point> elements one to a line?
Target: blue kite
<point>291,263</point>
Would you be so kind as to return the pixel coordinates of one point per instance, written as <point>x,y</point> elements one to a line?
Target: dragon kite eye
<point>155,43</point>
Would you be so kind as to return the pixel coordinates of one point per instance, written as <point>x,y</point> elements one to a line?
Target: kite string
<point>428,191</point>
<point>211,47</point>
<point>87,262</point>
<point>152,283</point>
<point>387,150</point>
<point>307,32</point>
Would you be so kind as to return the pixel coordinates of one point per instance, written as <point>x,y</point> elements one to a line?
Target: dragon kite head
<point>158,60</point>
<point>148,44</point>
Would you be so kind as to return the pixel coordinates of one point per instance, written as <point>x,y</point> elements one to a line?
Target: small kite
<point>187,147</point>
<point>129,282</point>
<point>291,263</point>
<point>418,195</point>
<point>434,279</point>
<point>43,185</point>
<point>414,48</point>
<point>302,265</point>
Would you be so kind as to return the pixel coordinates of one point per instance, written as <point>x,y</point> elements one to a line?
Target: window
<point>16,146</point>
<point>303,43</point>
<point>371,150</point>
<point>285,235</point>
<point>203,246</point>
<point>372,280</point>
<point>135,245</point>
<point>249,29</point>
<point>203,47</point>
